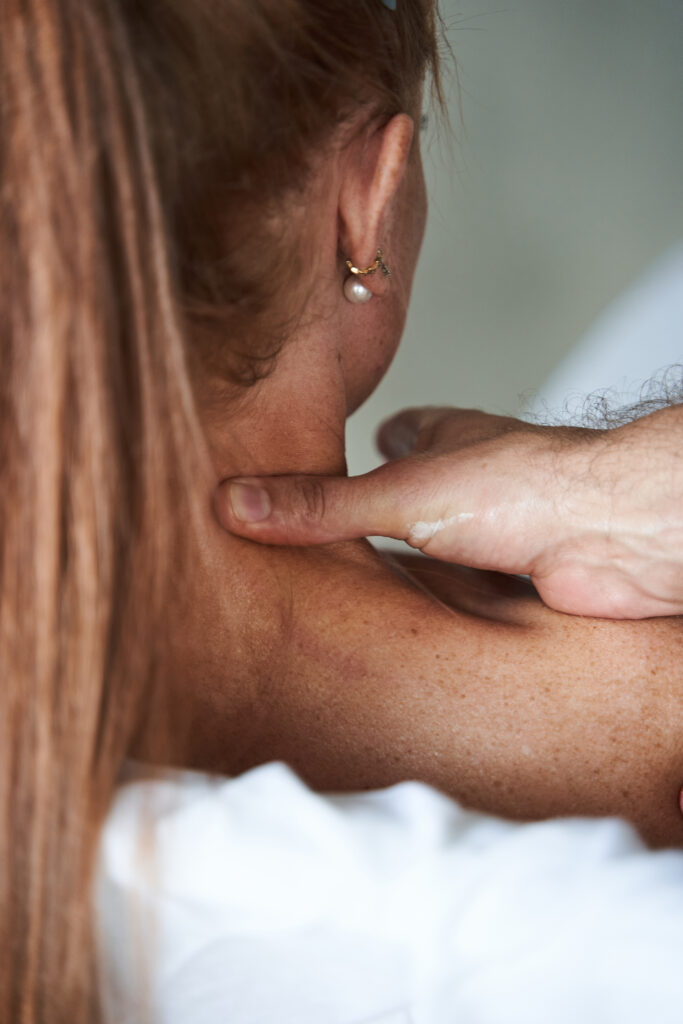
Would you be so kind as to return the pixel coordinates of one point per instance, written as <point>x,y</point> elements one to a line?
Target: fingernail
<point>249,504</point>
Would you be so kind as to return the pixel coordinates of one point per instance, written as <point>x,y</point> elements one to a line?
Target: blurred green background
<point>563,182</point>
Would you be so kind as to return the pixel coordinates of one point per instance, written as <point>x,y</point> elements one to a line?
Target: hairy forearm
<point>618,519</point>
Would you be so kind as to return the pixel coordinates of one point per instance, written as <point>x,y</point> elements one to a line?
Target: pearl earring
<point>355,290</point>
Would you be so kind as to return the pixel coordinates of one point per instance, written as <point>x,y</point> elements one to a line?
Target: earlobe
<point>374,169</point>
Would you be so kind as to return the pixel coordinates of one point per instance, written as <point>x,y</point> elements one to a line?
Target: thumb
<point>301,510</point>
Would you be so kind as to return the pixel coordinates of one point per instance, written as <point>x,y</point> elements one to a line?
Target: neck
<point>290,422</point>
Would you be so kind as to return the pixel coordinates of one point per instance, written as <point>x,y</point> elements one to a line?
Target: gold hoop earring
<point>379,264</point>
<point>354,290</point>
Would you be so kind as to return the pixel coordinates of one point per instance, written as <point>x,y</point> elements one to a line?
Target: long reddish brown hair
<point>141,147</point>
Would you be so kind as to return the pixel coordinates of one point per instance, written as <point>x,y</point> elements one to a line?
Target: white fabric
<point>637,338</point>
<point>255,901</point>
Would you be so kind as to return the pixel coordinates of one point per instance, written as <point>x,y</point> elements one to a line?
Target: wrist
<point>617,520</point>
<point>649,455</point>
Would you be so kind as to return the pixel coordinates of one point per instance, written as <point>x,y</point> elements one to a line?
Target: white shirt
<point>256,901</point>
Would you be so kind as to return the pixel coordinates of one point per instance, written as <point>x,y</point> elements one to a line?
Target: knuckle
<point>430,435</point>
<point>310,494</point>
<point>416,542</point>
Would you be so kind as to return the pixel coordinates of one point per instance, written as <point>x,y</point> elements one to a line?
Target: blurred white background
<point>563,183</point>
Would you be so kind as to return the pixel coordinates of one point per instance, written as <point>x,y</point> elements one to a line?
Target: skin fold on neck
<point>290,422</point>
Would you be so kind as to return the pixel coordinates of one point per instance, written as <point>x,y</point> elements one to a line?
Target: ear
<point>373,170</point>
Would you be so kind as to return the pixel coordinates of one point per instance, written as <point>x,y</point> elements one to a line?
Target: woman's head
<point>247,103</point>
<point>155,162</point>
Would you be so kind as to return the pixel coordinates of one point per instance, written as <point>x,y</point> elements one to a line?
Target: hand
<point>594,517</point>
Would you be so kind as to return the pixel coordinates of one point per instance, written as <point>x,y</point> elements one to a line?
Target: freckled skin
<point>518,710</point>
